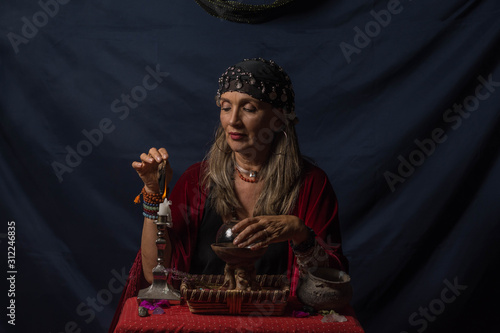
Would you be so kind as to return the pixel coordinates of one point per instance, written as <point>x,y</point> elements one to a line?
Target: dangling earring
<point>286,145</point>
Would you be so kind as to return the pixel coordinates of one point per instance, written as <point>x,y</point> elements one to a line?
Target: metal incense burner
<point>160,289</point>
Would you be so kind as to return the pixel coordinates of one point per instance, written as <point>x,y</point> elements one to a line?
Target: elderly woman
<point>254,173</point>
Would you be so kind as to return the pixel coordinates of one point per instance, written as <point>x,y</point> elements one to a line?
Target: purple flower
<point>161,303</point>
<point>300,314</point>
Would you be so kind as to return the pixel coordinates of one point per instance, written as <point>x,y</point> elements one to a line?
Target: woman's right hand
<point>148,169</point>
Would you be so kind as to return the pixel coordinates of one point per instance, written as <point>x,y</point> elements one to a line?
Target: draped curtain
<point>398,102</point>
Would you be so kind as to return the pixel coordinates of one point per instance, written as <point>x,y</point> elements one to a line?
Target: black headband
<point>263,80</point>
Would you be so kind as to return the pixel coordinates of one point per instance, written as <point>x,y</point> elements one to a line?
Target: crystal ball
<point>225,233</point>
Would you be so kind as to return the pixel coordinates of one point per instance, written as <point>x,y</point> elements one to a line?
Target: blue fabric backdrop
<point>398,102</point>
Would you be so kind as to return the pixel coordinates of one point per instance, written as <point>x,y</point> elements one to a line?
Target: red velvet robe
<point>316,206</point>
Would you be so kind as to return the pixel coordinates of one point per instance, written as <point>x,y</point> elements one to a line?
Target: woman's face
<point>249,124</point>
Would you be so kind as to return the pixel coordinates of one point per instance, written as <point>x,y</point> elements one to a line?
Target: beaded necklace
<point>251,173</point>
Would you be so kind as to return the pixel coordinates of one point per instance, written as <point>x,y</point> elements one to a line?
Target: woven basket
<point>204,296</point>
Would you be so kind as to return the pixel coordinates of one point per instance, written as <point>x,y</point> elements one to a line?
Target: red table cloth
<point>178,318</point>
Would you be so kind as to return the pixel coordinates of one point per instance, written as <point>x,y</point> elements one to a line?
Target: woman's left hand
<point>260,231</point>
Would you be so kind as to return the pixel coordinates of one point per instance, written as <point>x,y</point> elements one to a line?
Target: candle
<point>164,209</point>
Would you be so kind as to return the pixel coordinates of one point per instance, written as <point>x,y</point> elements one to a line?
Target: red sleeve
<point>317,206</point>
<point>188,201</point>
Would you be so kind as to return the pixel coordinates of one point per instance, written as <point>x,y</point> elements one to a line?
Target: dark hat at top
<point>263,80</point>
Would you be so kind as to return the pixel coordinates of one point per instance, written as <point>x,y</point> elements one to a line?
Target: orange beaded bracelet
<point>150,203</point>
<point>151,198</point>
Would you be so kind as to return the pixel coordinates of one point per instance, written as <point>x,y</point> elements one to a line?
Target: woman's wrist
<point>153,190</point>
<point>306,244</point>
<point>301,236</point>
<point>150,203</point>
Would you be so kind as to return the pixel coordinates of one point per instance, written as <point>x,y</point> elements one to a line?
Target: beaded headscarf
<point>263,80</point>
